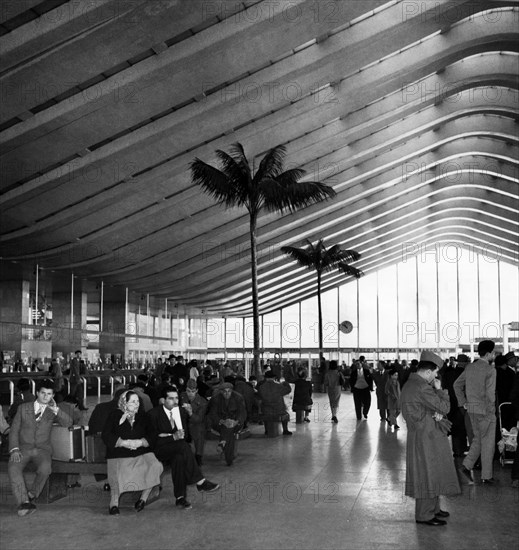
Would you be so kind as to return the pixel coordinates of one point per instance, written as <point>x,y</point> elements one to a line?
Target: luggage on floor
<point>68,444</point>
<point>95,449</point>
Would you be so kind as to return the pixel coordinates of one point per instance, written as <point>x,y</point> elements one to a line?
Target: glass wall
<point>442,298</point>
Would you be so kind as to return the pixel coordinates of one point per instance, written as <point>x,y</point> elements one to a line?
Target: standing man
<point>430,470</point>
<point>273,406</point>
<point>29,441</point>
<point>196,409</point>
<point>167,426</point>
<point>381,377</point>
<point>76,386</point>
<point>179,373</point>
<point>476,394</point>
<point>361,382</point>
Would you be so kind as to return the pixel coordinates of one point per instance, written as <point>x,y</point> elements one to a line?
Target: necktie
<point>172,420</point>
<point>38,416</point>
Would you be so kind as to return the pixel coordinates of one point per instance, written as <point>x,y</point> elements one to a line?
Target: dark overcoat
<point>430,469</point>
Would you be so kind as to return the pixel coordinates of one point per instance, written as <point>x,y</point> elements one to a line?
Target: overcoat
<point>430,469</point>
<point>381,381</point>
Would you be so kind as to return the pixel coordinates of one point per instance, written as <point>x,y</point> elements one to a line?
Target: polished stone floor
<point>327,486</point>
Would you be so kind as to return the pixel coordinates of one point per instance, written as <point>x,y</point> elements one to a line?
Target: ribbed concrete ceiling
<point>408,109</point>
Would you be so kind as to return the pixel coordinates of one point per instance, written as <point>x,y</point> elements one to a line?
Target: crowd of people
<point>163,419</point>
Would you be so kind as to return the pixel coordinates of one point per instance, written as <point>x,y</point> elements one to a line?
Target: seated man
<point>29,441</point>
<point>273,406</point>
<point>167,427</point>
<point>196,408</point>
<point>227,415</point>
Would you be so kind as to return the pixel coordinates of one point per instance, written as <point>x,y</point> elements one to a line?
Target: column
<point>111,339</point>
<point>69,315</point>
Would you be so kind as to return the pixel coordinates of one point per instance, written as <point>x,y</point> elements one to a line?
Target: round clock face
<point>346,327</point>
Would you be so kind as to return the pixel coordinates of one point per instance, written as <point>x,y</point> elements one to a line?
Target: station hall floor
<point>327,486</point>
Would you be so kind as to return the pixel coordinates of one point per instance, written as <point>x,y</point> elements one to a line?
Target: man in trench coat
<point>430,469</point>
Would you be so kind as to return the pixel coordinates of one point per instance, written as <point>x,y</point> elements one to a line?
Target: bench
<point>58,483</point>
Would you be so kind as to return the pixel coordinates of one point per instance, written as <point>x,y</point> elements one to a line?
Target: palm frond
<point>350,270</point>
<point>302,256</point>
<point>271,164</point>
<point>237,152</point>
<point>284,193</point>
<point>349,255</point>
<point>214,182</point>
<point>229,165</point>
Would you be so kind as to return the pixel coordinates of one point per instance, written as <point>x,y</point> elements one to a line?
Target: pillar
<point>69,315</point>
<point>112,340</point>
<point>14,311</point>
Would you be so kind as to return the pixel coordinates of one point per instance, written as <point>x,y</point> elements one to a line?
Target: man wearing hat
<point>430,470</point>
<point>227,413</point>
<point>476,393</point>
<point>196,409</point>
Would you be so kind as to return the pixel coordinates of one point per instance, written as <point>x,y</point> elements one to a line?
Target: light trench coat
<point>430,469</point>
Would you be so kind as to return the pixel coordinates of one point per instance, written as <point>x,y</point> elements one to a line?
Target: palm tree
<point>270,189</point>
<point>322,260</point>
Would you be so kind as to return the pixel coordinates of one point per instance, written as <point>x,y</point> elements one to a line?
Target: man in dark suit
<point>168,429</point>
<point>29,441</point>
<point>227,414</point>
<point>179,373</point>
<point>361,382</point>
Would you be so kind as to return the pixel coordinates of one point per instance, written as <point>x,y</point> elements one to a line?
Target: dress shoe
<point>434,521</point>
<point>442,514</point>
<point>334,419</point>
<point>208,486</point>
<point>183,503</point>
<point>287,432</point>
<point>140,504</point>
<point>467,475</point>
<point>26,508</point>
<point>489,481</point>
<point>114,511</point>
<point>306,419</point>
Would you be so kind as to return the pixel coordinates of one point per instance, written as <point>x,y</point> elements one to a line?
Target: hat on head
<point>431,357</point>
<point>227,385</point>
<point>191,384</point>
<point>462,358</point>
<point>509,355</point>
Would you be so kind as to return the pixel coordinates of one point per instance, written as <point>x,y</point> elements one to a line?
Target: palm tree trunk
<point>255,302</point>
<point>319,315</point>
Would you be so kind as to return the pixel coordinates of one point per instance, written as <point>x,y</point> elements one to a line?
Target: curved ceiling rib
<point>410,114</point>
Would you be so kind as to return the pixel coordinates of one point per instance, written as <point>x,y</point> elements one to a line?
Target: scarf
<point>122,405</point>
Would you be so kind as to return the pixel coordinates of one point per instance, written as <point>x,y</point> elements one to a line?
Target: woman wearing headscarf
<point>131,465</point>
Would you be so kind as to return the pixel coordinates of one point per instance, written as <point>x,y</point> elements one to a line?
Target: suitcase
<point>68,444</point>
<point>95,449</point>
